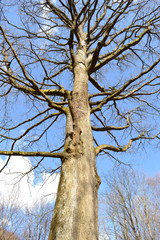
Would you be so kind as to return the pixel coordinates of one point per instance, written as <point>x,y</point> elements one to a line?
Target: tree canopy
<point>38,49</point>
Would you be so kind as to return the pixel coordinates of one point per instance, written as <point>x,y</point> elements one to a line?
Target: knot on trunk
<point>75,143</point>
<point>76,135</point>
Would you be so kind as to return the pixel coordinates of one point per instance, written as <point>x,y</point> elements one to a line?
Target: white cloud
<point>103,236</point>
<point>19,189</point>
<point>46,27</point>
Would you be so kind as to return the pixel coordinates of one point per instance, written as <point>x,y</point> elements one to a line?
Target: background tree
<point>92,65</point>
<point>37,221</point>
<point>10,219</point>
<point>130,206</point>
<point>30,222</point>
<point>5,235</point>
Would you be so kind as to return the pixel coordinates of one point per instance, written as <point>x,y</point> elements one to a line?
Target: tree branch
<point>108,128</point>
<point>106,30</point>
<point>124,148</point>
<point>60,14</point>
<point>129,82</point>
<point>32,154</point>
<point>117,149</point>
<point>115,53</point>
<point>96,84</point>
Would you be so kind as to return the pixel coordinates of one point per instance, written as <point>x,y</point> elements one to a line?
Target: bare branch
<point>96,84</point>
<point>108,128</point>
<point>32,154</point>
<point>129,82</point>
<point>106,30</point>
<point>124,148</point>
<point>61,15</point>
<point>117,149</point>
<point>115,53</point>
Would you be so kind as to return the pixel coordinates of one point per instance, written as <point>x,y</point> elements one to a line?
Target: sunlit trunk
<point>76,209</point>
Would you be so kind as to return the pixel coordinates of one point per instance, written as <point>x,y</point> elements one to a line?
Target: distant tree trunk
<point>76,209</point>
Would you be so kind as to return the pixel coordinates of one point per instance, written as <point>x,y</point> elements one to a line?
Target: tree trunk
<point>76,208</point>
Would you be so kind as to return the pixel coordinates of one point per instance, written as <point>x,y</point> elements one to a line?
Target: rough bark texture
<point>76,209</point>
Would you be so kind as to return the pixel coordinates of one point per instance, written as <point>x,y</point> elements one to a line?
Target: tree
<point>131,206</point>
<point>18,224</point>
<point>92,65</point>
<point>5,235</point>
<point>37,222</point>
<point>27,222</point>
<point>10,219</point>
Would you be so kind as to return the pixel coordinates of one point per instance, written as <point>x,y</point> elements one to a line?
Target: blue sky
<point>148,161</point>
<point>145,161</point>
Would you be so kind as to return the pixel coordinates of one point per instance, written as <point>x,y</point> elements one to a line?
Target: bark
<point>76,208</point>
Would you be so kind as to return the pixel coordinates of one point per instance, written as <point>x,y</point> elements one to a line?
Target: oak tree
<point>91,67</point>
